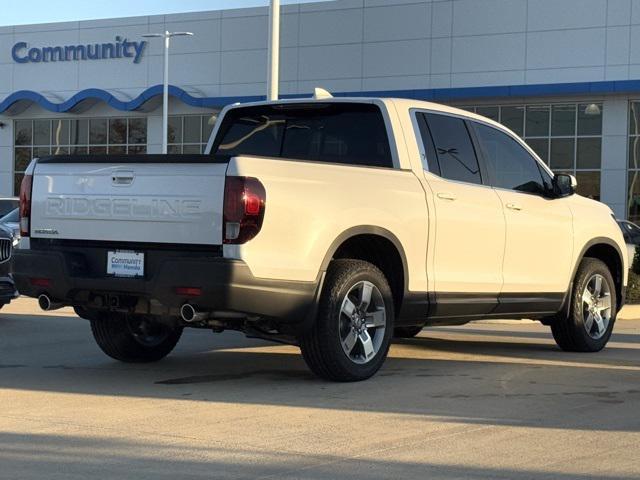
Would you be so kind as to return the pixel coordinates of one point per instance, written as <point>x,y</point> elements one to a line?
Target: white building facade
<point>562,74</point>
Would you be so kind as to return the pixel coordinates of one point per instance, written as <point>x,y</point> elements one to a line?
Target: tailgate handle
<point>122,178</point>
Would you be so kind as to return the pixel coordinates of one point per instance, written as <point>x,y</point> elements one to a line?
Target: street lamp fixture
<point>165,82</point>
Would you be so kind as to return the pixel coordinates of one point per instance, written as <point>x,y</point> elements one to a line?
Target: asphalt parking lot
<point>481,401</point>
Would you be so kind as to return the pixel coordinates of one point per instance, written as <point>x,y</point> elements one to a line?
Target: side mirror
<point>564,184</point>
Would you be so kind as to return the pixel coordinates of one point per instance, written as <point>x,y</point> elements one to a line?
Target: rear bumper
<point>75,278</point>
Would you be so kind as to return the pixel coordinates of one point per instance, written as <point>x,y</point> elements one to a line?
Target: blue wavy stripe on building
<point>441,95</point>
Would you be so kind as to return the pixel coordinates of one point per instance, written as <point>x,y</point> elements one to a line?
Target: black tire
<point>570,332</point>
<point>322,346</point>
<point>406,332</point>
<point>123,338</point>
<point>86,313</point>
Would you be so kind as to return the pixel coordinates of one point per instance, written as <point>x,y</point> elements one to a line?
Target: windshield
<point>8,204</point>
<point>12,217</point>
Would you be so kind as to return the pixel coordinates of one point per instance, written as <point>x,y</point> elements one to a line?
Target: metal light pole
<point>165,82</point>
<point>274,50</point>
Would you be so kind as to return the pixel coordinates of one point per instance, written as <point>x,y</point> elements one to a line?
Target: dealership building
<point>561,74</point>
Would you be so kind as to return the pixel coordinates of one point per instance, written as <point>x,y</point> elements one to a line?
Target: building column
<point>613,180</point>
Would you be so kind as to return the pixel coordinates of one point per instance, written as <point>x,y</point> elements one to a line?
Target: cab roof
<point>400,104</point>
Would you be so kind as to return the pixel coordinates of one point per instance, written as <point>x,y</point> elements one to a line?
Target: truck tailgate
<point>129,202</point>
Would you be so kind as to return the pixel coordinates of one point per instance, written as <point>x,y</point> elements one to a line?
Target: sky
<point>45,11</point>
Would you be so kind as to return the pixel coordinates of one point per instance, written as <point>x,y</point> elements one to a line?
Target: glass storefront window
<point>98,131</point>
<point>79,132</point>
<point>634,153</point>
<point>589,153</point>
<point>541,147</point>
<point>59,134</point>
<point>589,119</point>
<point>490,112</point>
<point>633,199</point>
<point>513,118</point>
<point>208,121</point>
<point>192,133</point>
<point>537,121</point>
<point>23,156</point>
<point>96,136</point>
<point>563,120</point>
<point>589,184</point>
<point>23,130</point>
<point>562,153</point>
<point>117,131</point>
<point>42,132</point>
<point>137,131</point>
<point>189,134</point>
<point>174,135</point>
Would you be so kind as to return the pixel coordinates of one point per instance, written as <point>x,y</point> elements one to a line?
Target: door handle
<point>446,196</point>
<point>513,206</point>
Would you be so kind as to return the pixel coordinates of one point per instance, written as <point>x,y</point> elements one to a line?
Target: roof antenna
<point>320,93</point>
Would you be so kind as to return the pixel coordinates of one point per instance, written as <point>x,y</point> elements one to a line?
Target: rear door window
<point>346,133</point>
<point>453,148</point>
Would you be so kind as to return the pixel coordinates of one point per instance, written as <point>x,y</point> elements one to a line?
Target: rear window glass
<point>12,216</point>
<point>347,133</point>
<point>6,205</point>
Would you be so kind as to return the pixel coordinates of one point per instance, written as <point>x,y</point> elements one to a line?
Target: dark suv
<point>7,288</point>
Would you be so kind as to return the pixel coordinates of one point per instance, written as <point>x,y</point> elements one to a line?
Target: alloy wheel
<point>363,321</point>
<point>596,306</point>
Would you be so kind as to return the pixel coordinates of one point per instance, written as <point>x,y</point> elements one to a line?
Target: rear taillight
<point>25,205</point>
<point>244,203</point>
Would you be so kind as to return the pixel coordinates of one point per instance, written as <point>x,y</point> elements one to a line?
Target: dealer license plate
<point>125,263</point>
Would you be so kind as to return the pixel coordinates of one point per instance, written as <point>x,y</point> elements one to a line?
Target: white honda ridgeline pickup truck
<point>332,224</point>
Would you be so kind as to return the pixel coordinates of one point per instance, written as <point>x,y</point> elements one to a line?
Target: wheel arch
<point>411,307</point>
<point>606,250</point>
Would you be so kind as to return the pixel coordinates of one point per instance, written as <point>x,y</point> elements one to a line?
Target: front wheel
<point>592,311</point>
<point>351,336</point>
<point>133,338</point>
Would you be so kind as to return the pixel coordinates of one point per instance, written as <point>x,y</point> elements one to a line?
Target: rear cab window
<point>343,133</point>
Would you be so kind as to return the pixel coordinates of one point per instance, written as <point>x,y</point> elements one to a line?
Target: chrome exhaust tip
<point>46,304</point>
<point>189,314</point>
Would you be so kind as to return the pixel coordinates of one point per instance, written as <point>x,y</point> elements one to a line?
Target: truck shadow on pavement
<point>443,375</point>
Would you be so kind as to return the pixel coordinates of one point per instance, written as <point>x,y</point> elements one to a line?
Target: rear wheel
<point>406,332</point>
<point>133,338</point>
<point>592,310</point>
<point>352,333</point>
